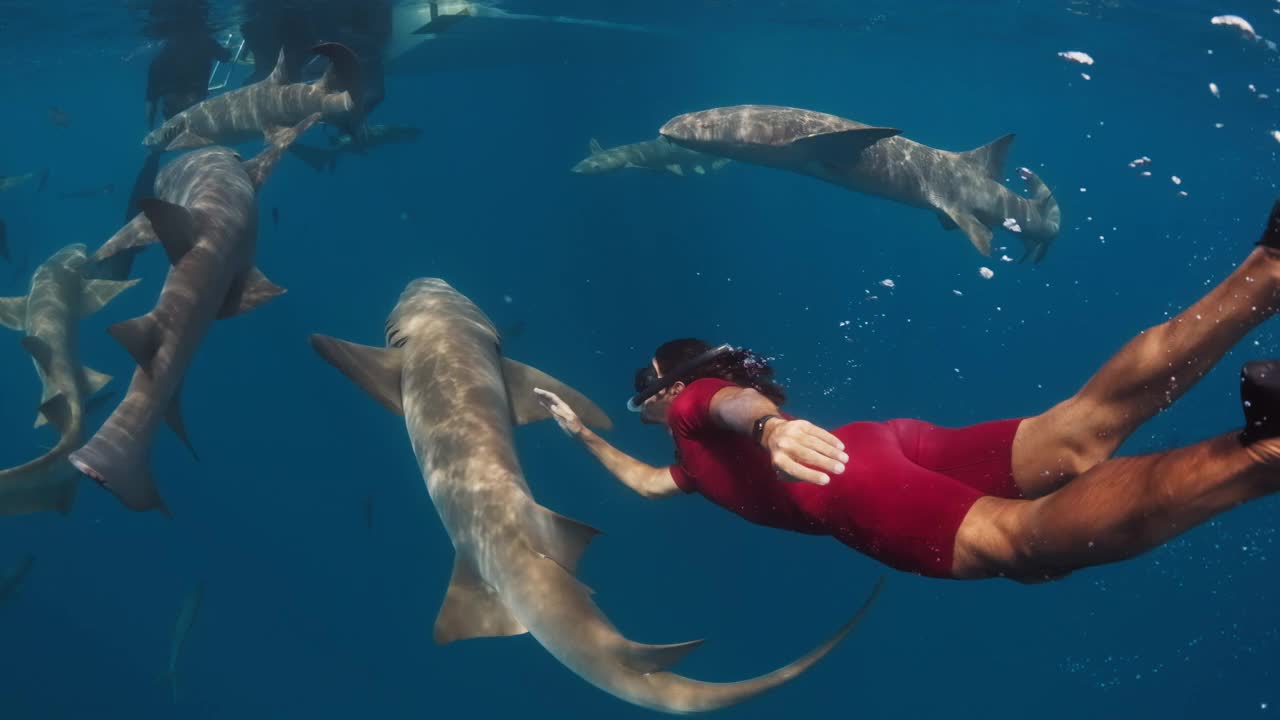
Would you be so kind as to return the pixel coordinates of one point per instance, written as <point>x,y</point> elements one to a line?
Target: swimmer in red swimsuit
<point>1030,499</point>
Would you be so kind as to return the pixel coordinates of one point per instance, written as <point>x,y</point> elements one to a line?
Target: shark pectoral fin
<point>12,310</point>
<point>134,236</point>
<point>979,234</point>
<point>187,140</point>
<point>525,407</point>
<point>991,157</point>
<point>594,147</point>
<point>655,658</point>
<point>260,166</point>
<point>140,337</point>
<point>699,170</point>
<point>946,222</point>
<point>58,412</point>
<point>719,163</point>
<point>843,145</point>
<point>376,370</point>
<point>94,294</point>
<point>173,418</point>
<point>471,609</point>
<point>39,350</point>
<point>248,292</point>
<point>173,224</point>
<point>560,538</point>
<point>94,380</point>
<point>675,169</point>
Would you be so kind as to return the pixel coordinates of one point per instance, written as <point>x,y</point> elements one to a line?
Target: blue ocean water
<point>310,612</point>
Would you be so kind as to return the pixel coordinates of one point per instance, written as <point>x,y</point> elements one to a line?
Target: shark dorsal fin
<point>58,412</point>
<point>594,147</point>
<point>140,337</point>
<point>376,370</point>
<point>560,538</point>
<point>525,407</point>
<point>844,145</point>
<point>94,294</point>
<point>248,292</point>
<point>173,418</point>
<point>991,157</point>
<point>39,350</point>
<point>12,312</point>
<point>472,609</point>
<point>174,225</point>
<point>94,380</point>
<point>280,73</point>
<point>655,658</point>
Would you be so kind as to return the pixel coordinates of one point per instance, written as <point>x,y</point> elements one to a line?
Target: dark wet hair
<point>741,367</point>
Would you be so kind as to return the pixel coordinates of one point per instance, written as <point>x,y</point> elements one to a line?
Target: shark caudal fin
<point>46,484</point>
<point>1046,221</point>
<point>117,460</point>
<point>673,693</point>
<point>260,166</point>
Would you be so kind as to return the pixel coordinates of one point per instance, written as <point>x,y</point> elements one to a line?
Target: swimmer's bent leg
<point>1148,374</point>
<point>1115,511</point>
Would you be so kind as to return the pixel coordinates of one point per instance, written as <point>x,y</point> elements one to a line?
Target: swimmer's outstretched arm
<point>799,449</point>
<point>647,480</point>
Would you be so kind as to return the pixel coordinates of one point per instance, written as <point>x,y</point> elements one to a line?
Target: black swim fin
<point>1260,397</point>
<point>1271,234</point>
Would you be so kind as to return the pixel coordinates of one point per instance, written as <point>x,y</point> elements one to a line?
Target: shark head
<point>593,165</point>
<point>426,302</point>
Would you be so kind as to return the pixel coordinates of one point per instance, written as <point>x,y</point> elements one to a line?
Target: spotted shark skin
<point>268,107</point>
<point>441,367</point>
<point>206,218</point>
<point>657,155</point>
<point>963,188</point>
<point>49,316</point>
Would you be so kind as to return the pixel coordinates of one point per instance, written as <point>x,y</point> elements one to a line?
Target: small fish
<point>186,618</point>
<point>11,583</point>
<point>59,117</point>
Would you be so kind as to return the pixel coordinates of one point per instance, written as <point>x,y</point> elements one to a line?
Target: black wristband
<point>757,428</point>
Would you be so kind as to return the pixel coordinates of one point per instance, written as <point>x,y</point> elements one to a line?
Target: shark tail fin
<point>120,465</point>
<point>1048,216</point>
<point>260,166</point>
<point>991,157</point>
<point>12,310</point>
<point>676,694</point>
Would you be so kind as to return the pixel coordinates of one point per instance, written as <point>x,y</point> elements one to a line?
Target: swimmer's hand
<point>802,451</point>
<point>564,415</point>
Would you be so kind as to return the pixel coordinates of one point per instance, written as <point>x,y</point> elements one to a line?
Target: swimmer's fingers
<point>796,450</point>
<point>821,442</point>
<point>791,470</point>
<point>560,411</point>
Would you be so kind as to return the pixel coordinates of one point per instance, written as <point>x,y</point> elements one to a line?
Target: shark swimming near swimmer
<point>441,367</point>
<point>963,188</point>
